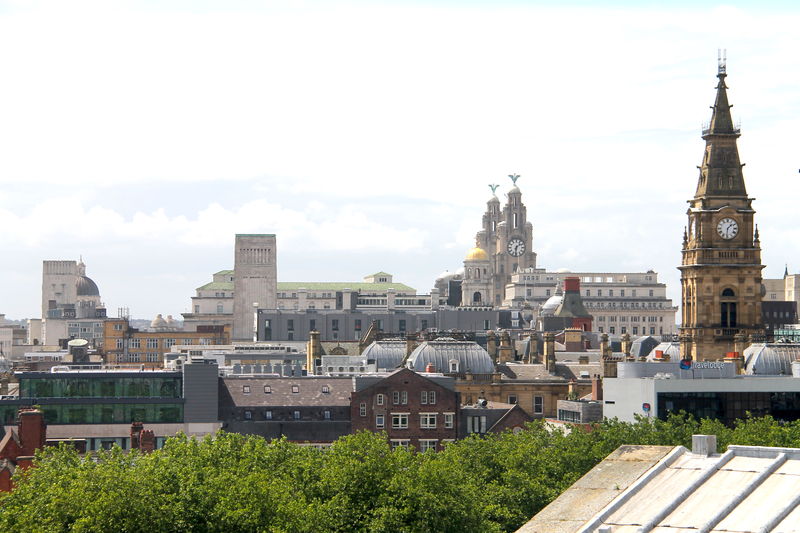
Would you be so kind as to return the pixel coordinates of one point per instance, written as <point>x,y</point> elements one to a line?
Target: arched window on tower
<point>516,221</point>
<point>476,297</point>
<point>728,309</point>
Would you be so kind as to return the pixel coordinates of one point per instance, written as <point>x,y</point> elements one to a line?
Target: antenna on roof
<point>722,60</point>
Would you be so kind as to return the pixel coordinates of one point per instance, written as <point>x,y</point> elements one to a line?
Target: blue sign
<point>686,364</point>
<point>646,407</point>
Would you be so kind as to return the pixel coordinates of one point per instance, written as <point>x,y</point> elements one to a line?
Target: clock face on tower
<point>516,247</point>
<point>727,228</point>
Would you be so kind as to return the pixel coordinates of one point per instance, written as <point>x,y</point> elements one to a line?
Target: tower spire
<point>721,173</point>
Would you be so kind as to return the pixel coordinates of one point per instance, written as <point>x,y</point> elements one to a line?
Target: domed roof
<point>449,355</point>
<point>158,322</point>
<point>86,287</point>
<point>672,349</point>
<point>770,359</point>
<point>477,254</point>
<point>387,354</point>
<point>514,190</point>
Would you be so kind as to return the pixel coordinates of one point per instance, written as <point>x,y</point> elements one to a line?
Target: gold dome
<point>477,254</point>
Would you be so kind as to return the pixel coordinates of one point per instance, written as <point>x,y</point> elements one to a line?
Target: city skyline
<point>364,136</point>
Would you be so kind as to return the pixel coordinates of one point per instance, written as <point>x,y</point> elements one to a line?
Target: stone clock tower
<point>507,238</point>
<point>721,265</point>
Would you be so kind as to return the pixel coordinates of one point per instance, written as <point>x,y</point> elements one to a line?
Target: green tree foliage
<point>234,483</point>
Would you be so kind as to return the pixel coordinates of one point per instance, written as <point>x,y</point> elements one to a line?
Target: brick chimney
<point>549,351</point>
<point>626,346</point>
<point>136,431</point>
<point>597,388</point>
<point>313,352</point>
<point>491,345</point>
<point>32,431</point>
<point>147,441</point>
<point>505,352</point>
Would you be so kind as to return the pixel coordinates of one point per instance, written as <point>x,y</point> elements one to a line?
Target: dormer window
<point>453,365</point>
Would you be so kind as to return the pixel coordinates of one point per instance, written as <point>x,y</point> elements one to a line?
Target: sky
<point>143,136</point>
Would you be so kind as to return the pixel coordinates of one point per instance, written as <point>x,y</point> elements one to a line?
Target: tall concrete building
<point>721,266</point>
<point>59,284</point>
<point>71,304</point>
<point>255,282</point>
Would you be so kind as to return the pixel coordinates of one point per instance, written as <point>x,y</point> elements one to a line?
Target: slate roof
<point>309,392</point>
<point>537,371</point>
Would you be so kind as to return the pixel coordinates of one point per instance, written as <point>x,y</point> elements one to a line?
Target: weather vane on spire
<point>494,188</point>
<point>722,60</point>
<point>514,178</point>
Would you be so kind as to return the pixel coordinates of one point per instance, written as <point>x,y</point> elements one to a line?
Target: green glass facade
<point>103,387</point>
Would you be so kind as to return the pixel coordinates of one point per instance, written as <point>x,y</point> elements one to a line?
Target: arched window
<point>728,309</point>
<point>476,297</point>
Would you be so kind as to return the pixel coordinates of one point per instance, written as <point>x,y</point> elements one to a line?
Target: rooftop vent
<point>704,444</point>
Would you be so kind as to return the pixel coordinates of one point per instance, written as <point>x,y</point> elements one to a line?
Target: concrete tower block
<point>255,281</point>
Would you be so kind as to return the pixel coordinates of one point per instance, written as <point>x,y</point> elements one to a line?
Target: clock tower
<point>721,255</point>
<point>507,238</point>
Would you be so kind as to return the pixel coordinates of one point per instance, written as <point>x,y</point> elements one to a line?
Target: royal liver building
<point>500,271</point>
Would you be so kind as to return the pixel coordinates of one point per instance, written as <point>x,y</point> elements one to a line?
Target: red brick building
<point>413,409</point>
<point>19,444</point>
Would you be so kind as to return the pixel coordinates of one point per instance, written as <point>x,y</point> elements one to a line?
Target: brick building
<point>18,445</point>
<point>419,410</point>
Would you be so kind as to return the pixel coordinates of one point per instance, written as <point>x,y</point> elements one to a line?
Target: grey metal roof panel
<point>470,356</point>
<point>771,359</point>
<point>388,354</point>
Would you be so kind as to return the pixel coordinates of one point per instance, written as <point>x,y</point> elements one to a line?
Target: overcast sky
<point>144,135</point>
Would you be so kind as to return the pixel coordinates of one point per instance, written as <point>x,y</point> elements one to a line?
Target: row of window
<point>634,330</point>
<point>614,318</point>
<point>248,415</point>
<point>426,420</point>
<point>151,343</point>
<point>295,389</point>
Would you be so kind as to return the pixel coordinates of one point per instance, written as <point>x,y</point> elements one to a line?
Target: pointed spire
<point>721,173</point>
<point>721,120</point>
<point>755,236</point>
<point>786,271</point>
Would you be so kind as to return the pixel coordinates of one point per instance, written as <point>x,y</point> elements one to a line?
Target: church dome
<point>158,322</point>
<point>477,254</point>
<point>86,287</point>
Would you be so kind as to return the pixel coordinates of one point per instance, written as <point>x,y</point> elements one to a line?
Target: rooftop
<point>663,489</point>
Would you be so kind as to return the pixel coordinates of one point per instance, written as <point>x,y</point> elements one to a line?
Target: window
<point>404,397</point>
<point>248,415</point>
<point>246,389</point>
<point>295,389</point>
<point>379,399</point>
<point>296,415</point>
<point>432,397</point>
<point>327,415</point>
<point>312,324</point>
<point>362,409</point>
<point>326,389</point>
<point>423,399</point>
<point>357,325</point>
<point>427,420</point>
<point>399,420</point>
<point>136,343</point>
<point>267,415</point>
<point>379,421</point>
<point>423,324</point>
<point>396,397</point>
<point>453,365</point>
<point>399,443</point>
<point>152,343</point>
<point>512,398</point>
<point>476,424</point>
<point>427,444</point>
<point>267,389</point>
<point>402,325</point>
<point>448,420</point>
<point>538,405</point>
<point>335,324</point>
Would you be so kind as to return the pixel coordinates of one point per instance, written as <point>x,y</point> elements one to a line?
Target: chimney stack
<point>549,351</point>
<point>505,352</point>
<point>626,346</point>
<point>32,431</point>
<point>313,352</point>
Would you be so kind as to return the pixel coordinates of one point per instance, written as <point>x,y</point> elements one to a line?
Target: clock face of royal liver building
<point>721,263</point>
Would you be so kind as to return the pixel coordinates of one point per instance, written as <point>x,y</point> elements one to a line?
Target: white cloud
<point>376,126</point>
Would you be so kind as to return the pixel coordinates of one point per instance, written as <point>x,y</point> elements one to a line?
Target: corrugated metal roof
<point>469,356</point>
